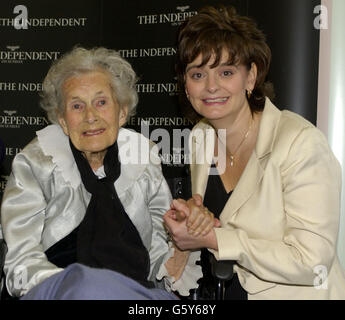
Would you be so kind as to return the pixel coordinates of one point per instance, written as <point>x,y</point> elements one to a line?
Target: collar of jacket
<point>202,147</point>
<point>55,143</point>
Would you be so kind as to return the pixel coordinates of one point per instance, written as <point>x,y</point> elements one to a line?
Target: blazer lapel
<point>202,149</point>
<point>245,187</point>
<point>256,165</point>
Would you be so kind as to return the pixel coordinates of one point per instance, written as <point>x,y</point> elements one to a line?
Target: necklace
<point>232,155</point>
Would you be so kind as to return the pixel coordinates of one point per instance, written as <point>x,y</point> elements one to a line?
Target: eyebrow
<point>78,98</point>
<point>192,67</point>
<point>224,64</point>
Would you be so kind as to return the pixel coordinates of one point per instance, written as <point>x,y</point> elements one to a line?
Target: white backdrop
<point>331,99</point>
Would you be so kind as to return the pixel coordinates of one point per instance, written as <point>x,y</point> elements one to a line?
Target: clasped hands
<point>191,225</point>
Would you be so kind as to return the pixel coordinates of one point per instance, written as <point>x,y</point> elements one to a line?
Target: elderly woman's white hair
<point>79,61</point>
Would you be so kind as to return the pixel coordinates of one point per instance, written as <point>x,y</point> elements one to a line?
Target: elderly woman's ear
<point>123,116</point>
<point>63,124</point>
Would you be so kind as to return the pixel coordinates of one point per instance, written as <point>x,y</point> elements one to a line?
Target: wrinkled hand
<point>186,241</point>
<point>199,219</point>
<point>191,225</point>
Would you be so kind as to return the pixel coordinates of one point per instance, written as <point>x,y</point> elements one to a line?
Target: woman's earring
<point>249,93</point>
<point>187,95</point>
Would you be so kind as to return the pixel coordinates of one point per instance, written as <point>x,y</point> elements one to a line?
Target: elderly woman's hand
<point>186,241</point>
<point>191,225</point>
<point>199,219</point>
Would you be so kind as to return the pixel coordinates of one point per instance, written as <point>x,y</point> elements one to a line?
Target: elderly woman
<point>79,206</point>
<point>272,178</point>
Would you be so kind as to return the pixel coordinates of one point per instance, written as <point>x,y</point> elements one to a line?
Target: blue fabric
<point>79,282</point>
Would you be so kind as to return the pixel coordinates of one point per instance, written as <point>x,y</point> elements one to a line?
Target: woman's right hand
<point>191,225</point>
<point>185,240</point>
<point>199,219</point>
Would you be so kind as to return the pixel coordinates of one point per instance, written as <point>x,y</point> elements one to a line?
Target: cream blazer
<point>281,222</point>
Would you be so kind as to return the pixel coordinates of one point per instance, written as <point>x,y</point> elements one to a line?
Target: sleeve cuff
<point>228,245</point>
<point>188,280</point>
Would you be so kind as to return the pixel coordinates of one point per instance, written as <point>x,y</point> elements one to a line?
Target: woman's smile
<point>215,101</point>
<point>93,132</point>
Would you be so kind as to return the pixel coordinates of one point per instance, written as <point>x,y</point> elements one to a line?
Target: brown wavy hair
<point>208,33</point>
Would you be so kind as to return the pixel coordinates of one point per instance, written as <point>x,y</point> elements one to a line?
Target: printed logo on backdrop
<point>21,20</point>
<point>147,52</point>
<point>10,153</point>
<point>161,121</point>
<point>10,120</point>
<point>14,54</point>
<point>3,182</point>
<point>170,88</point>
<point>21,86</point>
<point>174,18</point>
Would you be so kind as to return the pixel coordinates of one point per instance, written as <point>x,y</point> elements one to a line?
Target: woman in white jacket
<point>79,195</point>
<point>269,175</point>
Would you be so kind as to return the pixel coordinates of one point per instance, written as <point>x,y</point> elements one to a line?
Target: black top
<point>106,238</point>
<point>215,199</point>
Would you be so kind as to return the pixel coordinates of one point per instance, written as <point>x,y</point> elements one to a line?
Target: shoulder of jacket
<point>292,126</point>
<point>297,137</point>
<point>32,158</point>
<point>33,153</point>
<point>294,120</point>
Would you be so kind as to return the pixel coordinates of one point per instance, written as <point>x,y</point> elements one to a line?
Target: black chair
<point>222,271</point>
<point>3,247</point>
<point>3,250</point>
